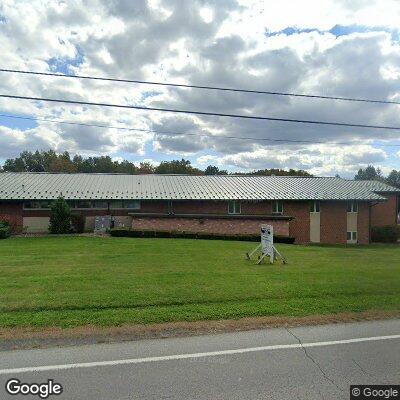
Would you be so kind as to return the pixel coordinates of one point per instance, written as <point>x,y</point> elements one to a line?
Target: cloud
<point>338,48</point>
<point>318,159</point>
<point>13,141</point>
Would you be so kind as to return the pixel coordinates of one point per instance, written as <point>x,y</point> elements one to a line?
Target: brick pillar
<point>333,222</point>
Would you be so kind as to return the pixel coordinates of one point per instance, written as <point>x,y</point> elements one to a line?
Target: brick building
<point>320,210</point>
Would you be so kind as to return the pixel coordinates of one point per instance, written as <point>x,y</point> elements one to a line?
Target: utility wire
<point>181,85</point>
<point>178,111</point>
<point>56,121</point>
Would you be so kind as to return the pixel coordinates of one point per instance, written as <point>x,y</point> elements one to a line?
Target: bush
<point>123,232</point>
<point>60,217</point>
<point>78,223</point>
<point>5,230</point>
<point>385,234</point>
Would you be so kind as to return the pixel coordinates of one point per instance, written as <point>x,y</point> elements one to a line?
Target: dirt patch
<point>22,338</point>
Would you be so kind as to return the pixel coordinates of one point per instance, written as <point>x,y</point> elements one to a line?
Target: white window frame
<point>277,207</point>
<point>314,207</point>
<point>236,207</point>
<point>353,206</point>
<point>353,237</point>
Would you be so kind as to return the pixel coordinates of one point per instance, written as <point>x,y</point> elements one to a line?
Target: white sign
<point>267,246</point>
<point>267,240</point>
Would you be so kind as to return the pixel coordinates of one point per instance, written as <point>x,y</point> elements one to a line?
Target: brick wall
<point>384,213</point>
<point>209,225</point>
<point>363,223</point>
<point>199,207</point>
<point>220,207</point>
<point>12,212</point>
<point>333,222</point>
<point>333,218</point>
<point>300,226</point>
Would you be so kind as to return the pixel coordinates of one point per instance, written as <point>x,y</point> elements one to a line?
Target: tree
<point>146,168</point>
<point>60,217</point>
<point>394,178</point>
<point>277,172</point>
<point>50,161</point>
<point>213,170</point>
<point>177,167</point>
<point>39,161</point>
<point>62,163</point>
<point>369,173</point>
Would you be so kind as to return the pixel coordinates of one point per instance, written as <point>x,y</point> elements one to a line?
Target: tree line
<point>50,161</point>
<point>375,174</point>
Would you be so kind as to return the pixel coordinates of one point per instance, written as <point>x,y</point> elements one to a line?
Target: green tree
<point>146,168</point>
<point>39,161</point>
<point>213,170</point>
<point>277,172</point>
<point>60,217</point>
<point>394,178</point>
<point>177,167</point>
<point>369,173</point>
<point>62,163</point>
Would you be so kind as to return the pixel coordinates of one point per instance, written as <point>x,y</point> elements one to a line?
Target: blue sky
<point>334,48</point>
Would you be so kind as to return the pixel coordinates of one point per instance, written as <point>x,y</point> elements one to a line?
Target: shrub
<point>123,232</point>
<point>60,217</point>
<point>5,230</point>
<point>78,223</point>
<point>385,234</point>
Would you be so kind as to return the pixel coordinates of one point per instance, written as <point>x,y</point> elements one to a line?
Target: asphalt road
<point>317,362</point>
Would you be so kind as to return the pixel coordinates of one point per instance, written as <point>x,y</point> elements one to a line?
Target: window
<point>234,207</point>
<point>133,204</point>
<point>116,204</point>
<point>352,206</point>
<point>35,205</point>
<point>100,204</point>
<point>352,237</point>
<point>83,204</point>
<point>314,207</point>
<point>128,204</point>
<point>170,207</point>
<point>277,207</point>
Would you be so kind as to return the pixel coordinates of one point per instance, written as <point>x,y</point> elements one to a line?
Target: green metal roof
<point>35,186</point>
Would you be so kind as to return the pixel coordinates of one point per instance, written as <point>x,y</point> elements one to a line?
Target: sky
<point>347,48</point>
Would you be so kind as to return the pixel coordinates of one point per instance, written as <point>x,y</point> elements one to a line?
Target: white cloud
<point>208,159</point>
<point>317,159</point>
<point>201,43</point>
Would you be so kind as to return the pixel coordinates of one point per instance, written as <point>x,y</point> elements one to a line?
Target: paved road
<point>262,364</point>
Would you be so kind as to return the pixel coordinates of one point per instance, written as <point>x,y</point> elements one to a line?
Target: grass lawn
<point>73,281</point>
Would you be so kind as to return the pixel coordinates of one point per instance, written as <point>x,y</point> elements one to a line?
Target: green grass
<point>73,281</point>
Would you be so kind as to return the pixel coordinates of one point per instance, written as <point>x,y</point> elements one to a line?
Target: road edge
<point>28,338</point>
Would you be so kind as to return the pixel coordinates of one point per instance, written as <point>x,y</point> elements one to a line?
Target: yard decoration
<point>267,246</point>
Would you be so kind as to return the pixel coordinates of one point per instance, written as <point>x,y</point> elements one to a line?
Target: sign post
<point>267,246</point>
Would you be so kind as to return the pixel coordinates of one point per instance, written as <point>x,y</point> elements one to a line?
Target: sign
<point>267,246</point>
<point>267,241</point>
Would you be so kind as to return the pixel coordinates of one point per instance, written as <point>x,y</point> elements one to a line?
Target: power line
<point>56,121</point>
<point>181,85</point>
<point>178,111</point>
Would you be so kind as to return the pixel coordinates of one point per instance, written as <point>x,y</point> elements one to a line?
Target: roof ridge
<point>189,175</point>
